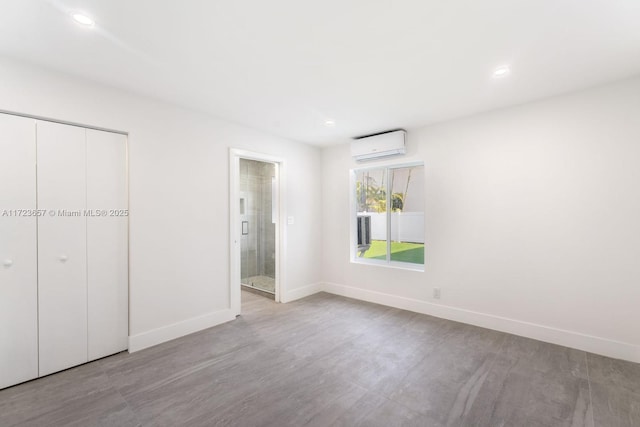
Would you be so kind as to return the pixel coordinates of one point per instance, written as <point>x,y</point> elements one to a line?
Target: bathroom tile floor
<point>326,360</point>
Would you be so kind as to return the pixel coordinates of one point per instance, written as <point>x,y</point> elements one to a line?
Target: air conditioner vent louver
<point>385,144</point>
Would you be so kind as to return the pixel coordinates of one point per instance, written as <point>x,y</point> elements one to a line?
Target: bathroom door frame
<point>235,231</point>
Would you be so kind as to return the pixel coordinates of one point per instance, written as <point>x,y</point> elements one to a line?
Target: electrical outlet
<point>436,293</point>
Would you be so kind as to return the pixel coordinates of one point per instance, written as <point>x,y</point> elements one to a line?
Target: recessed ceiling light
<point>329,122</point>
<point>501,71</point>
<point>83,20</point>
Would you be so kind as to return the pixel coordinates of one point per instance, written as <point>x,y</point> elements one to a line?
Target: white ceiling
<point>285,66</point>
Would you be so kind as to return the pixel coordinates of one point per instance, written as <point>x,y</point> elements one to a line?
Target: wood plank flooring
<point>332,361</point>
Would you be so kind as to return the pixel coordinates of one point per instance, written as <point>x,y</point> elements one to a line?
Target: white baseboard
<point>176,330</point>
<point>167,333</point>
<point>592,344</point>
<point>302,292</point>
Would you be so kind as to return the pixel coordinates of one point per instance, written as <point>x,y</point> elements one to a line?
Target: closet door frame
<point>36,118</point>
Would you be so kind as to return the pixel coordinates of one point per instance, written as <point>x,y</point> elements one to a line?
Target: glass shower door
<point>257,218</point>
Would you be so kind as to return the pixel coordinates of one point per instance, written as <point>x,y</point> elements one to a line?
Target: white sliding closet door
<point>62,248</point>
<point>18,261</point>
<point>107,247</point>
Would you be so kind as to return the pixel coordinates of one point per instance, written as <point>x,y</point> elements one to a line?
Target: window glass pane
<point>407,214</point>
<point>371,199</point>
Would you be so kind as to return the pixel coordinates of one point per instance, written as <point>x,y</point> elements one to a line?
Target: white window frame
<point>353,212</point>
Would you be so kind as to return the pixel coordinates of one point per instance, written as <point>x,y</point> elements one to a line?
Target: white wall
<point>532,222</point>
<point>179,196</point>
<point>531,212</point>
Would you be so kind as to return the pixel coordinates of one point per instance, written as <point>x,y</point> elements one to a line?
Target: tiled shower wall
<point>258,246</point>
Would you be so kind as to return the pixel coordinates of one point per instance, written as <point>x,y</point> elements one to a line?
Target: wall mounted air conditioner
<point>383,144</point>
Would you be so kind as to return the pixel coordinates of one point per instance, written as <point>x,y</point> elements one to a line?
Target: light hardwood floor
<point>331,361</point>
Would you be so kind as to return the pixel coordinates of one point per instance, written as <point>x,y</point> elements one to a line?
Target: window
<point>388,226</point>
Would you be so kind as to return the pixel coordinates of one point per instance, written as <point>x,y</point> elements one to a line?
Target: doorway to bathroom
<point>258,219</point>
<point>256,231</point>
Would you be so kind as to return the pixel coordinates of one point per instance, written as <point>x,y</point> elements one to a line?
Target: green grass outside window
<point>400,251</point>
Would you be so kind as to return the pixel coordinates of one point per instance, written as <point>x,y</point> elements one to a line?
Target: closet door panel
<point>62,262</point>
<point>107,243</point>
<point>18,259</point>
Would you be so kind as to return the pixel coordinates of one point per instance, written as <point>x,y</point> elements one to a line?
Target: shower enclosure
<point>258,217</point>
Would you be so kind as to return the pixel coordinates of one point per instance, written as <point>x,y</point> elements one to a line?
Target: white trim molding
<point>176,330</point>
<point>577,340</point>
<point>234,225</point>
<point>580,341</point>
<point>302,292</point>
